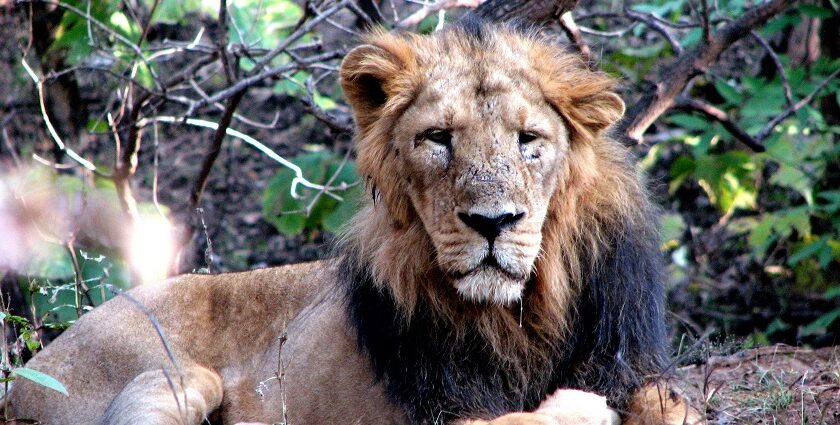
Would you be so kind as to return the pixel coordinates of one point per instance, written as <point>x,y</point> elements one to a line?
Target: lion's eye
<point>436,135</point>
<point>526,137</point>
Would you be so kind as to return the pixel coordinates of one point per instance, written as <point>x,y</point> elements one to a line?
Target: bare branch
<point>687,66</point>
<point>341,123</point>
<point>297,34</point>
<point>567,23</point>
<point>215,148</point>
<point>723,118</point>
<point>222,42</point>
<point>299,179</point>
<point>654,24</point>
<point>39,84</point>
<point>420,14</point>
<point>538,11</point>
<point>261,77</point>
<point>795,107</point>
<point>780,69</point>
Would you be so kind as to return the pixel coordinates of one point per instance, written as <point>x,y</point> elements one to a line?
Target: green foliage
<point>289,214</point>
<point>783,202</point>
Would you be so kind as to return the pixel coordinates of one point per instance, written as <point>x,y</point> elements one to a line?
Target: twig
<point>90,19</point>
<point>170,354</point>
<point>56,138</point>
<point>214,149</point>
<point>148,23</point>
<point>567,23</point>
<point>299,178</point>
<point>537,11</point>
<point>795,107</point>
<point>298,33</point>
<point>420,14</point>
<point>222,42</point>
<point>723,118</point>
<point>341,124</point>
<point>654,24</point>
<point>780,69</point>
<point>687,66</point>
<point>607,34</point>
<point>259,78</point>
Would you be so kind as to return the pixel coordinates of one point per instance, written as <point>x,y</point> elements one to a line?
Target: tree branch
<point>538,11</point>
<point>567,23</point>
<point>215,148</point>
<point>687,66</point>
<point>722,117</point>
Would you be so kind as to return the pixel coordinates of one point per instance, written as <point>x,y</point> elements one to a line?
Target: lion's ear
<point>598,111</point>
<point>373,74</point>
<point>585,98</point>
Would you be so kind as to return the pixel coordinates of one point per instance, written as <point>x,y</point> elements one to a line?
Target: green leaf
<point>822,323</point>
<point>288,214</point>
<point>40,378</point>
<point>761,236</point>
<point>794,178</point>
<point>815,11</point>
<point>728,92</point>
<point>833,292</point>
<point>808,250</point>
<point>689,122</point>
<point>682,168</point>
<point>673,227</point>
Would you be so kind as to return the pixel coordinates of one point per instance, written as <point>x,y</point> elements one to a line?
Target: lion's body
<point>508,250</point>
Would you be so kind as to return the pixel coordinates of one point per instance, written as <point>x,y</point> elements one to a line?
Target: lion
<point>504,270</point>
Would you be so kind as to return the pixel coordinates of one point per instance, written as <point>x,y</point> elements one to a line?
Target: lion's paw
<point>575,407</point>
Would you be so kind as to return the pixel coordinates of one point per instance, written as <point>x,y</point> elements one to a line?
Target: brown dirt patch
<point>769,385</point>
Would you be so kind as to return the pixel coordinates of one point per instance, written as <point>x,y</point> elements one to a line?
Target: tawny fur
<point>280,340</point>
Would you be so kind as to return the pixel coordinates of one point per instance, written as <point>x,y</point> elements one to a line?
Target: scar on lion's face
<point>479,136</point>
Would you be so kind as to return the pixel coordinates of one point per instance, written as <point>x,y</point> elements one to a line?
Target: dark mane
<point>435,375</point>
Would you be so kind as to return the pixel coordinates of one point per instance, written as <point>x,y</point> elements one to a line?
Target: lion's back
<point>203,317</point>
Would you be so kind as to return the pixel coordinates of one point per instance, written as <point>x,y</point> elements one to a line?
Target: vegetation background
<point>140,138</point>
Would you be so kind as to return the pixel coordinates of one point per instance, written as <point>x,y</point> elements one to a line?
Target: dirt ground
<point>769,385</point>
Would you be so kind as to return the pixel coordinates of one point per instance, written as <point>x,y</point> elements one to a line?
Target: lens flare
<point>152,247</point>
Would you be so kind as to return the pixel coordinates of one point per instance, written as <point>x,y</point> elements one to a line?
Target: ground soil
<point>769,385</point>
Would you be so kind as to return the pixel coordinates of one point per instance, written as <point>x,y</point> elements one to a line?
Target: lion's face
<point>471,133</point>
<point>480,152</point>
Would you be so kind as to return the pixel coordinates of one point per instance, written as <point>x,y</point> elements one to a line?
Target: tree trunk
<point>538,11</point>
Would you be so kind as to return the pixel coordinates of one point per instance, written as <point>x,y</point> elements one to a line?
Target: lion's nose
<point>490,227</point>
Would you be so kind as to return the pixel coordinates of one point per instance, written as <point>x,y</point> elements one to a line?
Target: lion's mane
<point>592,313</point>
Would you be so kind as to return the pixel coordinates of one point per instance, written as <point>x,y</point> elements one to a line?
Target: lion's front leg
<point>564,407</point>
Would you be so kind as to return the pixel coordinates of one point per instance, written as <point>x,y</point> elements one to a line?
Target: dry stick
<point>50,129</point>
<point>90,19</point>
<point>723,118</point>
<point>297,34</point>
<point>567,23</point>
<point>255,79</point>
<point>222,42</point>
<point>340,123</point>
<point>657,26</point>
<point>687,66</point>
<point>795,107</point>
<point>538,11</point>
<point>148,24</point>
<point>214,149</point>
<point>429,9</point>
<point>126,162</point>
<point>298,180</point>
<point>778,64</point>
